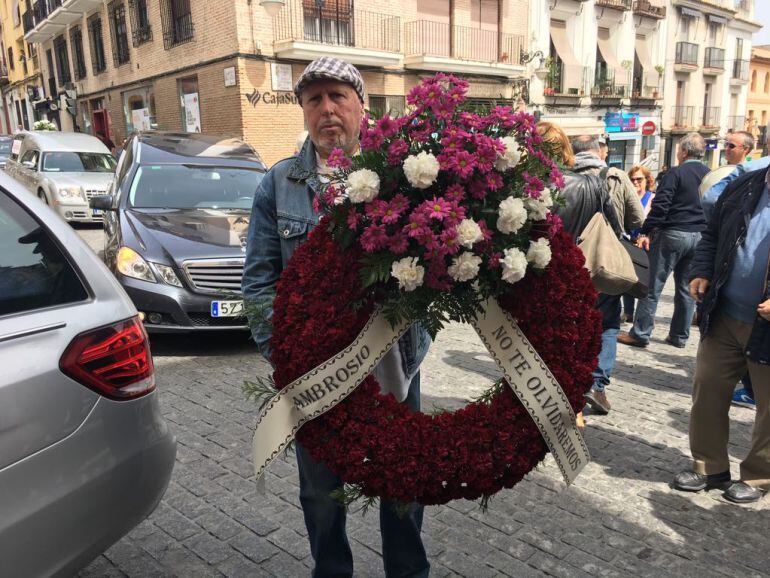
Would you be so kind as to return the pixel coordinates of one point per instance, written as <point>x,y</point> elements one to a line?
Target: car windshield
<point>5,147</point>
<point>193,187</point>
<point>67,162</point>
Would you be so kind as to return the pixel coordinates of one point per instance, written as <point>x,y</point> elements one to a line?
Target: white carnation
<point>468,233</point>
<point>514,265</point>
<point>512,155</point>
<point>464,267</point>
<point>539,208</point>
<point>511,215</point>
<point>421,170</point>
<point>362,186</point>
<point>408,273</point>
<point>539,253</point>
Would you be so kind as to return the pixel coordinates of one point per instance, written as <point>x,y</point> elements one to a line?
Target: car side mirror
<point>102,202</point>
<point>29,164</point>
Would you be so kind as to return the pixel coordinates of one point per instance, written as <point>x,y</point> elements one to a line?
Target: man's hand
<point>764,310</point>
<point>643,242</point>
<point>698,288</point>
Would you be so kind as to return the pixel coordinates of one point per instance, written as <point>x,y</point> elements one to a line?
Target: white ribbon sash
<point>320,389</point>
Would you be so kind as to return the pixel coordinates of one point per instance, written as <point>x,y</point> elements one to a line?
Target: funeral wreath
<point>442,211</point>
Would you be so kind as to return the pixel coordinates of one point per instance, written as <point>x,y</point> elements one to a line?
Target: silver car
<point>85,454</point>
<point>63,169</point>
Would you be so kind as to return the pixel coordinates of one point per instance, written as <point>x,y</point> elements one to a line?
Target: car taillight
<point>115,361</point>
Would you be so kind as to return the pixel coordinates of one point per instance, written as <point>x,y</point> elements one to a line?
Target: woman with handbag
<point>645,188</point>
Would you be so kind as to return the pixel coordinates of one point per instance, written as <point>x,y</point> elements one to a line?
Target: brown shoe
<point>628,339</point>
<point>598,402</point>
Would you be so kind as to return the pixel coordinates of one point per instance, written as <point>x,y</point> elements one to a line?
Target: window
<point>10,58</point>
<point>31,156</point>
<point>118,32</point>
<point>78,56</point>
<point>328,22</point>
<point>34,273</point>
<point>62,60</point>
<point>753,81</point>
<point>139,109</point>
<point>66,162</point>
<point>767,82</point>
<point>188,96</point>
<point>381,105</point>
<point>141,31</point>
<point>176,16</point>
<point>51,78</point>
<point>684,26</point>
<point>98,61</point>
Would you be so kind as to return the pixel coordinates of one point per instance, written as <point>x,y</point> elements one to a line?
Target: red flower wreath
<point>375,442</point>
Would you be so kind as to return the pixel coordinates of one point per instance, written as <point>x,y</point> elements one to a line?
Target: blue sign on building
<point>621,121</point>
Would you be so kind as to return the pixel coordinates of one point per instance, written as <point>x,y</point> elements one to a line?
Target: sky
<point>762,14</point>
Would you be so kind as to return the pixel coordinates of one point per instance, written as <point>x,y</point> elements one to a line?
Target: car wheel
<point>42,197</point>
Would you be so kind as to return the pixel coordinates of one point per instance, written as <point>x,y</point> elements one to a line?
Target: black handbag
<point>642,267</point>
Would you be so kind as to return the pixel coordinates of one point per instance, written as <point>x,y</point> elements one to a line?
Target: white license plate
<point>226,308</point>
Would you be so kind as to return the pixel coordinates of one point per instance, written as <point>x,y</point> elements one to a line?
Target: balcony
<point>714,63</point>
<point>647,8</point>
<point>736,123</point>
<point>740,72</point>
<point>686,58</point>
<point>565,84</point>
<point>644,90</point>
<point>51,17</point>
<point>437,46</point>
<point>610,86</point>
<point>4,75</point>
<point>709,120</point>
<point>305,30</point>
<point>682,120</point>
<point>617,4</point>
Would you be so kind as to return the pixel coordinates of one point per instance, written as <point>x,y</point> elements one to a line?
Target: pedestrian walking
<point>331,94</point>
<point>644,184</point>
<point>730,280</point>
<point>628,214</point>
<point>670,233</point>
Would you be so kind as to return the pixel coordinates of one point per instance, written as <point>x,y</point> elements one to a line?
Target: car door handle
<point>31,331</point>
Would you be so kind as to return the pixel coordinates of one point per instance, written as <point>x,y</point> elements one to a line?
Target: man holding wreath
<point>331,94</point>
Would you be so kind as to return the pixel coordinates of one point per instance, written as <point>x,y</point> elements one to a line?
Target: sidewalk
<point>620,518</point>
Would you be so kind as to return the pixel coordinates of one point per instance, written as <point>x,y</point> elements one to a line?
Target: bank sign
<point>621,122</point>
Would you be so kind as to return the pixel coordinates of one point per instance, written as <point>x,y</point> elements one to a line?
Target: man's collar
<point>304,165</point>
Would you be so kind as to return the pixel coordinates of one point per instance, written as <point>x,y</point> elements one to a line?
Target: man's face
<point>735,150</point>
<point>333,114</point>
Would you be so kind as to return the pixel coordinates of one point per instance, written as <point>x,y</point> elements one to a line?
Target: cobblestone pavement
<point>619,519</point>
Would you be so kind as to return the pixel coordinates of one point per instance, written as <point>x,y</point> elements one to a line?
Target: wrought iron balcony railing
<point>683,116</point>
<point>611,84</point>
<point>647,8</point>
<point>428,38</point>
<point>741,70</point>
<point>686,53</point>
<point>619,4</point>
<point>715,58</point>
<point>710,117</point>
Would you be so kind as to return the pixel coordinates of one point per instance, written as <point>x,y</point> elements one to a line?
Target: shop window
<point>176,17</point>
<point>139,109</point>
<point>190,104</point>
<point>141,31</point>
<point>62,61</point>
<point>98,60</point>
<point>118,32</point>
<point>616,154</point>
<point>78,56</point>
<point>380,105</point>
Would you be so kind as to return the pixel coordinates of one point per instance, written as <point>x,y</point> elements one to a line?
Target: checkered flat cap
<point>329,68</point>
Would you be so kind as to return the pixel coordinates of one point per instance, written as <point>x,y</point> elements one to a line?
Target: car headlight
<point>167,275</point>
<point>70,192</point>
<point>131,264</point>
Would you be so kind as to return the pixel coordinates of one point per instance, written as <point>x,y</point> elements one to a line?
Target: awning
<point>608,53</point>
<point>717,19</point>
<point>561,43</point>
<point>690,12</point>
<point>643,54</point>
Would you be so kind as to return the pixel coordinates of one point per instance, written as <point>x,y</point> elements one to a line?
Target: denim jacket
<point>282,216</point>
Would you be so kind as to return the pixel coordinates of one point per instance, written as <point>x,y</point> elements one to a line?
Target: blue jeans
<point>609,307</point>
<point>629,303</point>
<point>402,549</point>
<point>669,251</point>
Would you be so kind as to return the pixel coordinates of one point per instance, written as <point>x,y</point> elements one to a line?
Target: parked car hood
<point>96,181</point>
<point>179,235</point>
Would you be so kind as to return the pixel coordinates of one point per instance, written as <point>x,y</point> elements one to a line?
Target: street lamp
<point>272,7</point>
<point>525,58</point>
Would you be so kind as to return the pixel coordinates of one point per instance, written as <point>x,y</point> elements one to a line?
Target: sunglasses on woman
<point>637,180</point>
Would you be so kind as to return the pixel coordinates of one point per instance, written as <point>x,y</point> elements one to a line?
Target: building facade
<point>228,68</point>
<point>707,72</point>
<point>597,72</point>
<point>20,84</point>
<point>758,103</point>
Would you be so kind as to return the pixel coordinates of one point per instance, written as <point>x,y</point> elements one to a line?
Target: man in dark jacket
<point>670,233</point>
<point>730,280</point>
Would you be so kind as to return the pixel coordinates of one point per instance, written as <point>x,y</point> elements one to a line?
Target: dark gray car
<point>85,454</point>
<point>175,228</point>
